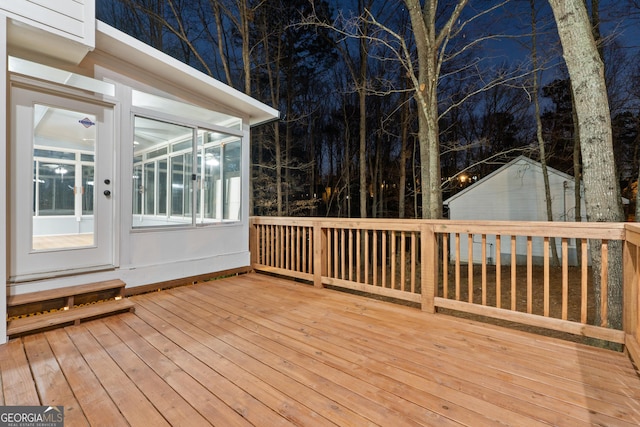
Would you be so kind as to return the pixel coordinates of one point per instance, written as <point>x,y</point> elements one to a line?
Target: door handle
<point>107,193</point>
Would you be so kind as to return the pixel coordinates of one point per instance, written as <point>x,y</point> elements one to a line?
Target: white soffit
<point>135,52</point>
<point>44,72</point>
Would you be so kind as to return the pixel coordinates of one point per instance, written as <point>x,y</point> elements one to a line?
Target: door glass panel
<point>63,196</point>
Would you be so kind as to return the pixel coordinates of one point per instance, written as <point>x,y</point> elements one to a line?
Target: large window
<point>184,175</point>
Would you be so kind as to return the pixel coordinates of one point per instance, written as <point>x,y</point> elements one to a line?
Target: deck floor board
<point>388,351</point>
<point>263,351</point>
<point>50,382</point>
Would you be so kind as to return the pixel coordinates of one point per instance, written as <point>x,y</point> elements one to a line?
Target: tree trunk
<point>288,136</point>
<point>404,136</point>
<point>362,98</point>
<point>347,164</point>
<point>543,157</point>
<point>577,178</point>
<point>602,192</point>
<point>414,176</point>
<point>278,155</point>
<point>221,51</point>
<point>273,76</point>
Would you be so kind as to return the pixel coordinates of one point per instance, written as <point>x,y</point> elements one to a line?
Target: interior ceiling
<point>60,128</point>
<point>149,133</point>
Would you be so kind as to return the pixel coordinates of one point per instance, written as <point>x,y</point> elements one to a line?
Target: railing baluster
<point>351,254</point>
<point>342,255</point>
<point>374,258</point>
<point>498,271</point>
<point>413,262</point>
<point>513,273</point>
<point>394,259</point>
<point>287,247</point>
<point>470,267</point>
<point>604,284</point>
<point>281,246</point>
<point>358,256</point>
<point>484,269</point>
<point>584,281</point>
<point>545,245</point>
<point>403,262</point>
<point>330,250</point>
<point>565,279</point>
<point>366,256</point>
<point>300,251</point>
<point>457,266</point>
<point>295,256</point>
<point>445,265</point>
<point>272,252</point>
<point>384,259</point>
<point>529,274</point>
<point>310,251</point>
<point>304,239</point>
<point>336,253</point>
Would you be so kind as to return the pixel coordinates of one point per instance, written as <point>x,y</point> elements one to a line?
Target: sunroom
<point>123,164</point>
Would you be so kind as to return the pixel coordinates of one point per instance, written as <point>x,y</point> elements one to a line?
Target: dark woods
<point>316,61</point>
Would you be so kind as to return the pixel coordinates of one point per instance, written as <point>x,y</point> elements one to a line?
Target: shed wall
<point>514,193</point>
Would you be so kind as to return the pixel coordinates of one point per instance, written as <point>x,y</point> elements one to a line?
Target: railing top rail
<point>632,226</point>
<point>589,230</point>
<point>346,223</point>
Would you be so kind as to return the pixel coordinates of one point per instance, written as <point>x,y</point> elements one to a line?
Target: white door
<point>61,185</point>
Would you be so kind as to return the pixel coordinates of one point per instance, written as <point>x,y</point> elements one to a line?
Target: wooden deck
<point>257,350</point>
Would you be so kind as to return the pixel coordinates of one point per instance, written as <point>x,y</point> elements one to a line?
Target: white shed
<point>121,162</point>
<point>515,192</point>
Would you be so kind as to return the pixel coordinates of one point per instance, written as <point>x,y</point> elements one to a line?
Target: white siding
<point>514,193</point>
<point>71,18</point>
<point>3,188</point>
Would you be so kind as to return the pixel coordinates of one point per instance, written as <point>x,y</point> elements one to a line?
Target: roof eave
<point>137,53</point>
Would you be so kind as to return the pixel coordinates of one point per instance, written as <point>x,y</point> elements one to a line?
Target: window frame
<point>196,217</point>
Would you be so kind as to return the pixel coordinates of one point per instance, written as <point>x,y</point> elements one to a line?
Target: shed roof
<point>520,159</point>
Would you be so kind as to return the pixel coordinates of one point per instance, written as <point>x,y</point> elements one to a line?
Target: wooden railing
<point>503,270</point>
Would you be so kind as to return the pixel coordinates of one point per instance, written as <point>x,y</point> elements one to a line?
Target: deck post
<point>428,267</point>
<point>319,254</point>
<point>631,298</point>
<point>253,243</point>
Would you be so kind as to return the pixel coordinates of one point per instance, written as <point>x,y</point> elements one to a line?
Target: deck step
<point>35,311</point>
<point>39,322</point>
<point>115,285</point>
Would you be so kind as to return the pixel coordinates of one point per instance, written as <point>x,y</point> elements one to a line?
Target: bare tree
<point>429,45</point>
